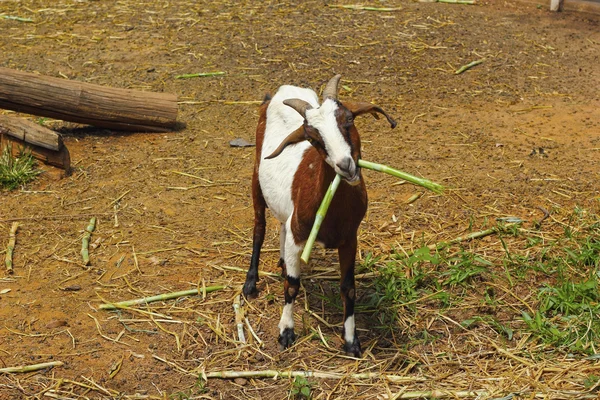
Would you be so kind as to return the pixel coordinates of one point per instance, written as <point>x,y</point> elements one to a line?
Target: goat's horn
<point>295,137</point>
<point>331,90</point>
<point>299,105</point>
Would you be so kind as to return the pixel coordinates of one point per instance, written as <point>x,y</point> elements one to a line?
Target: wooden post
<point>86,103</point>
<point>61,158</point>
<point>30,132</point>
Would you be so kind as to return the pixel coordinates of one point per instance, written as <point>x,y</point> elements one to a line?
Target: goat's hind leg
<point>258,237</point>
<point>347,254</point>
<point>291,286</point>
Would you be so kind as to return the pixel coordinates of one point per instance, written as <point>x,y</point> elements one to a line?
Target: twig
<point>85,241</point>
<point>160,297</point>
<point>199,75</point>
<point>30,368</point>
<point>14,18</point>
<point>12,239</point>
<point>471,2</point>
<point>440,394</point>
<point>365,8</point>
<point>56,216</point>
<point>468,66</point>
<point>239,318</point>
<point>309,374</point>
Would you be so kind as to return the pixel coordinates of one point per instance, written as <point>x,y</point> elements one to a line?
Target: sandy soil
<point>174,209</point>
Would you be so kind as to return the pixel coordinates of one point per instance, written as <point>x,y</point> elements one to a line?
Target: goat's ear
<point>295,137</point>
<point>359,108</point>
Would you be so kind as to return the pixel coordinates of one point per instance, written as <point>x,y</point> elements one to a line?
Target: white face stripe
<point>323,119</point>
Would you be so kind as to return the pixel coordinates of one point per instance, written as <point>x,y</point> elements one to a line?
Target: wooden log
<point>30,132</point>
<point>61,158</point>
<point>87,103</point>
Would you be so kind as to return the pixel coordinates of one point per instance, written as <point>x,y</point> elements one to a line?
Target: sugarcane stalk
<point>159,297</point>
<point>85,241</point>
<point>200,75</point>
<point>310,374</point>
<point>468,66</point>
<point>12,240</point>
<point>321,212</point>
<point>30,368</point>
<point>457,1</point>
<point>365,8</point>
<point>427,184</point>
<point>239,318</point>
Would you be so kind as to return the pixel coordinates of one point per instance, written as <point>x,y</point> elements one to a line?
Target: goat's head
<point>330,130</point>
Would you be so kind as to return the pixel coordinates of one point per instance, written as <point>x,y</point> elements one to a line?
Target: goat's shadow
<point>320,287</point>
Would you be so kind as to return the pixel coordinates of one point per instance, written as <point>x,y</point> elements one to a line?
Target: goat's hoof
<point>353,349</point>
<point>286,338</point>
<point>249,289</point>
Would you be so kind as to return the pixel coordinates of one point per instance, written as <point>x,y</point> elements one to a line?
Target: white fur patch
<point>277,174</point>
<point>287,318</point>
<point>349,328</point>
<point>323,119</point>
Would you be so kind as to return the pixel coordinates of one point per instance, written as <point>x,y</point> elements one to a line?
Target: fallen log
<point>30,132</point>
<point>61,158</point>
<point>87,103</point>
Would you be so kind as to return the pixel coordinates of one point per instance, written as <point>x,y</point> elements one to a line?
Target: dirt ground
<point>518,132</point>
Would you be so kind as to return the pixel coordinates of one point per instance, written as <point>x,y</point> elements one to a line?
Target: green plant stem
<point>12,17</point>
<point>427,184</point>
<point>160,297</point>
<point>85,241</point>
<point>12,240</point>
<point>309,374</point>
<point>365,8</point>
<point>321,212</point>
<point>30,368</point>
<point>468,66</point>
<point>200,75</point>
<point>457,1</point>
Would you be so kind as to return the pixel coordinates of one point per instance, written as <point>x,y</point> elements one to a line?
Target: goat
<point>323,141</point>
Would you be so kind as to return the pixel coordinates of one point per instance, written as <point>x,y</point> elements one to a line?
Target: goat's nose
<point>346,165</point>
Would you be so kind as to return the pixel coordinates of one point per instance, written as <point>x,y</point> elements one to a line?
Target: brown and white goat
<point>292,172</point>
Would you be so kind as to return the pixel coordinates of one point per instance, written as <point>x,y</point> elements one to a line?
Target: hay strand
<point>159,297</point>
<point>85,241</point>
<point>30,368</point>
<point>12,240</point>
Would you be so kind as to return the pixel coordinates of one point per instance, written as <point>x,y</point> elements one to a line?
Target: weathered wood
<point>30,132</point>
<point>61,158</point>
<point>87,103</point>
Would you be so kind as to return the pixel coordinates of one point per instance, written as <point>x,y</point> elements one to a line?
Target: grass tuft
<point>16,171</point>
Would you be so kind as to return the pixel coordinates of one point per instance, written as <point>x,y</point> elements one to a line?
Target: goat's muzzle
<point>348,169</point>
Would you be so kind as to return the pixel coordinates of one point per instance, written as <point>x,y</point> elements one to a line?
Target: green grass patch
<point>528,285</point>
<point>16,171</point>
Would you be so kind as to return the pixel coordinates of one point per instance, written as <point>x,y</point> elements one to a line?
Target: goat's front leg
<point>259,235</point>
<point>291,286</point>
<point>347,255</point>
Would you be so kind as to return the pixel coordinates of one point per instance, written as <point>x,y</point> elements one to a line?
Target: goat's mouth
<point>353,180</point>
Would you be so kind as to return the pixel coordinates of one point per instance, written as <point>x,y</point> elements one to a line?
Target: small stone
<point>241,381</point>
<point>239,142</point>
